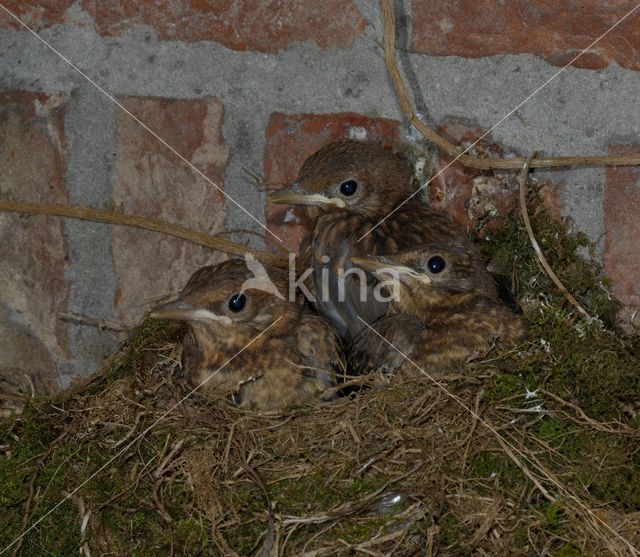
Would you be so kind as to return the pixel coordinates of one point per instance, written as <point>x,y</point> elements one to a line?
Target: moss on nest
<point>593,363</point>
<point>400,467</point>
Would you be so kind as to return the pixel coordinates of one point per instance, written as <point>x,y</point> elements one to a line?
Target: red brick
<point>478,200</point>
<point>37,15</point>
<point>291,138</point>
<point>552,199</point>
<point>475,200</point>
<point>153,181</point>
<point>556,31</point>
<point>263,25</point>
<point>33,251</point>
<point>622,227</point>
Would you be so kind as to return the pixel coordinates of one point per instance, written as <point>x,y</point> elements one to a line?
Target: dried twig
<point>620,428</point>
<point>155,225</point>
<point>406,104</point>
<point>32,495</point>
<point>163,466</point>
<point>524,469</point>
<point>536,247</point>
<point>100,323</point>
<point>27,512</point>
<point>489,518</point>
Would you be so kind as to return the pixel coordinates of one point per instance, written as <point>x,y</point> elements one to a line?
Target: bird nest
<point>530,451</point>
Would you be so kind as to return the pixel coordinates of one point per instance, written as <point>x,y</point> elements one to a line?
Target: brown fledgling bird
<point>358,198</point>
<point>247,340</point>
<point>446,308</point>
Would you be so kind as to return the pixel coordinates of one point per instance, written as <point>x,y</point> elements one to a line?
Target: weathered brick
<point>552,197</point>
<point>263,25</point>
<point>622,227</point>
<point>36,14</point>
<point>556,31</point>
<point>33,251</point>
<point>475,200</point>
<point>291,138</point>
<point>153,181</point>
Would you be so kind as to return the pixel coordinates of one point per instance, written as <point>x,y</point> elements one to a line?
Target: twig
<point>524,469</point>
<point>406,104</point>
<point>131,431</point>
<point>100,323</point>
<point>160,508</point>
<point>621,428</point>
<point>490,515</point>
<point>32,495</point>
<point>536,247</point>
<point>158,476</point>
<point>267,238</point>
<point>146,223</point>
<point>472,429</point>
<point>162,466</point>
<point>27,512</point>
<point>268,547</point>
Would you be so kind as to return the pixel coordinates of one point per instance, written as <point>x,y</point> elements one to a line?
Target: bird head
<point>432,275</point>
<point>229,305</point>
<point>357,176</point>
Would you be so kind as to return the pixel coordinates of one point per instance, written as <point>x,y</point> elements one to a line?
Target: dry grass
<point>476,465</point>
<point>398,468</point>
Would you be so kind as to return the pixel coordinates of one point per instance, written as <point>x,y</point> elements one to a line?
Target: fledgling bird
<point>445,309</point>
<point>358,199</point>
<point>228,307</point>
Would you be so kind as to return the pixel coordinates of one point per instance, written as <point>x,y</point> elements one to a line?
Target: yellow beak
<point>174,311</point>
<point>382,268</point>
<point>183,311</point>
<point>295,195</point>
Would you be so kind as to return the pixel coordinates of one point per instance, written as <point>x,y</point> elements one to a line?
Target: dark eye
<point>349,187</point>
<point>436,264</point>
<point>237,302</point>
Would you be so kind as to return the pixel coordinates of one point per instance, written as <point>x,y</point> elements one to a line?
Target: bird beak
<point>295,195</point>
<point>385,269</point>
<point>175,311</point>
<point>183,311</point>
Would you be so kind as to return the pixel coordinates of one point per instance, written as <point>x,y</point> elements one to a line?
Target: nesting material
<point>525,451</point>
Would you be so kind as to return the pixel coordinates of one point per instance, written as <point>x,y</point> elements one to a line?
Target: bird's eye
<point>436,264</point>
<point>348,187</point>
<point>237,302</point>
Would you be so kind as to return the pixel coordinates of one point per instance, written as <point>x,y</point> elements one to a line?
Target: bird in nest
<point>445,308</point>
<point>247,340</point>
<point>359,201</point>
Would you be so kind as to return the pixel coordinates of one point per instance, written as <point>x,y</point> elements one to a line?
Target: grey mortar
<point>580,112</point>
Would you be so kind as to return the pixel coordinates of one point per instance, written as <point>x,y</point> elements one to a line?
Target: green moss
<point>358,531</point>
<point>450,529</point>
<point>190,536</point>
<point>554,514</point>
<point>568,550</point>
<point>315,492</point>
<point>308,495</point>
<point>509,248</point>
<point>505,385</point>
<point>486,466</point>
<point>550,428</point>
<point>590,362</point>
<point>590,365</point>
<point>609,467</point>
<point>519,537</point>
<point>28,437</point>
<point>574,359</point>
<point>249,501</point>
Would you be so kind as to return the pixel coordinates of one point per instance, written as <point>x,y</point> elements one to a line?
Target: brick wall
<point>250,88</point>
